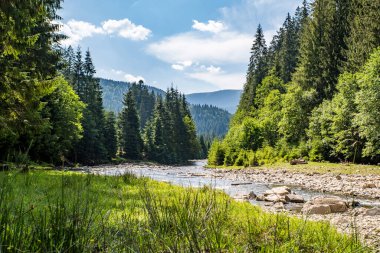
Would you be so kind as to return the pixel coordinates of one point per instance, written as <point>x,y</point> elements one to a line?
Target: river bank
<point>363,189</point>
<point>347,186</point>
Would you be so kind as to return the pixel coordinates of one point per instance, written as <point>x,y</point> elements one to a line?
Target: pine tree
<point>364,33</point>
<point>130,129</point>
<point>318,61</point>
<point>27,59</point>
<point>110,140</point>
<point>257,70</point>
<point>78,74</point>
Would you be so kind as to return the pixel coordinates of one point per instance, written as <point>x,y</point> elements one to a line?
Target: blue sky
<point>196,45</point>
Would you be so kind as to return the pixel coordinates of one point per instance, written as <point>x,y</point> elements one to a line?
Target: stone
<point>297,161</point>
<point>316,209</point>
<point>260,198</point>
<point>369,186</point>
<point>274,198</point>
<point>293,198</point>
<point>372,212</point>
<point>338,177</point>
<point>282,191</point>
<point>252,195</point>
<point>318,205</point>
<point>279,206</point>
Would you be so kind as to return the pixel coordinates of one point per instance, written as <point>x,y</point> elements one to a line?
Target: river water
<point>196,175</point>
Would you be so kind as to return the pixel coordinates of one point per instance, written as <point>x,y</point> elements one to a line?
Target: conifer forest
<point>94,158</point>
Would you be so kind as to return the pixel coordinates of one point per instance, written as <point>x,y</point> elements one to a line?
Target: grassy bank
<point>316,167</point>
<point>67,212</point>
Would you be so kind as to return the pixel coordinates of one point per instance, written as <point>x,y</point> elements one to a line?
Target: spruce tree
<point>110,140</point>
<point>257,70</point>
<point>364,33</point>
<point>130,129</point>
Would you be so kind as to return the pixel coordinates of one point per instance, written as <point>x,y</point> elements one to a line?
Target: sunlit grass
<point>316,167</point>
<point>48,211</point>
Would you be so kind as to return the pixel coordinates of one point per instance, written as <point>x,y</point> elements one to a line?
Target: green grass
<point>317,167</point>
<point>48,211</point>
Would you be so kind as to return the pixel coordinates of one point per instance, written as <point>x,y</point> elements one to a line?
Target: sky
<point>194,45</point>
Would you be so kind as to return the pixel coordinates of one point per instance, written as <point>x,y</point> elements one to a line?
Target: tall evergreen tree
<point>364,32</point>
<point>131,141</point>
<point>257,70</point>
<point>110,140</point>
<point>27,59</point>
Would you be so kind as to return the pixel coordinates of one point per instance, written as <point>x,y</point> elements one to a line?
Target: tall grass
<point>66,212</point>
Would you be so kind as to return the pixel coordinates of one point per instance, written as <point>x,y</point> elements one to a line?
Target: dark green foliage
<point>110,135</point>
<point>64,111</point>
<point>170,136</point>
<point>113,93</point>
<point>364,33</point>
<point>257,70</point>
<point>210,121</point>
<point>307,106</point>
<point>144,101</point>
<point>29,86</point>
<point>130,139</point>
<point>91,148</point>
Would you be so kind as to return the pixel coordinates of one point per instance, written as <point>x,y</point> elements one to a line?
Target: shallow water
<point>196,175</point>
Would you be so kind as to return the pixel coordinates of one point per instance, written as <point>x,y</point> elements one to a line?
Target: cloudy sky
<point>196,45</point>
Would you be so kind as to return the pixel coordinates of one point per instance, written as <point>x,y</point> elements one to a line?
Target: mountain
<point>225,99</point>
<point>210,121</point>
<point>113,92</point>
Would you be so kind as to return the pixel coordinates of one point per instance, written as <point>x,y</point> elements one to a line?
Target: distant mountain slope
<point>210,121</point>
<point>113,92</point>
<point>225,99</point>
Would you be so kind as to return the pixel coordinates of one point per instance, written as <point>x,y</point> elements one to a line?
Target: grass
<point>317,167</point>
<point>48,211</point>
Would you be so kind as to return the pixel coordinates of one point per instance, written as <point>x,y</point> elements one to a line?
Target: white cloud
<point>126,29</point>
<point>133,79</point>
<point>211,26</point>
<point>79,30</point>
<point>180,66</point>
<point>119,75</point>
<point>226,47</point>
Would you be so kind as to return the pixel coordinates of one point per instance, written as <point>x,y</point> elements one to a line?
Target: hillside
<point>113,92</point>
<point>211,121</point>
<point>225,99</point>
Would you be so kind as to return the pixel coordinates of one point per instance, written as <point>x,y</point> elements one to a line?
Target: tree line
<point>313,92</point>
<point>52,106</point>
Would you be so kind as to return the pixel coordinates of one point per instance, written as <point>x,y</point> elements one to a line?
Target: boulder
<point>297,161</point>
<point>279,206</point>
<point>325,205</point>
<point>281,191</point>
<point>316,209</point>
<point>252,195</point>
<point>260,197</point>
<point>274,198</point>
<point>293,198</point>
<point>372,212</point>
<point>369,186</point>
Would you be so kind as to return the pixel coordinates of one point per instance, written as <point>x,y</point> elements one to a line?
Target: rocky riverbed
<point>356,218</point>
<point>367,186</point>
<point>349,202</point>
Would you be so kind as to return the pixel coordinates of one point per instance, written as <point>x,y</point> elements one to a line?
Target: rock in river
<point>325,205</point>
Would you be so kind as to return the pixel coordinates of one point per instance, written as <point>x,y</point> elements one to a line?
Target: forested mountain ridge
<point>210,121</point>
<point>113,92</point>
<point>224,99</point>
<point>313,92</point>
